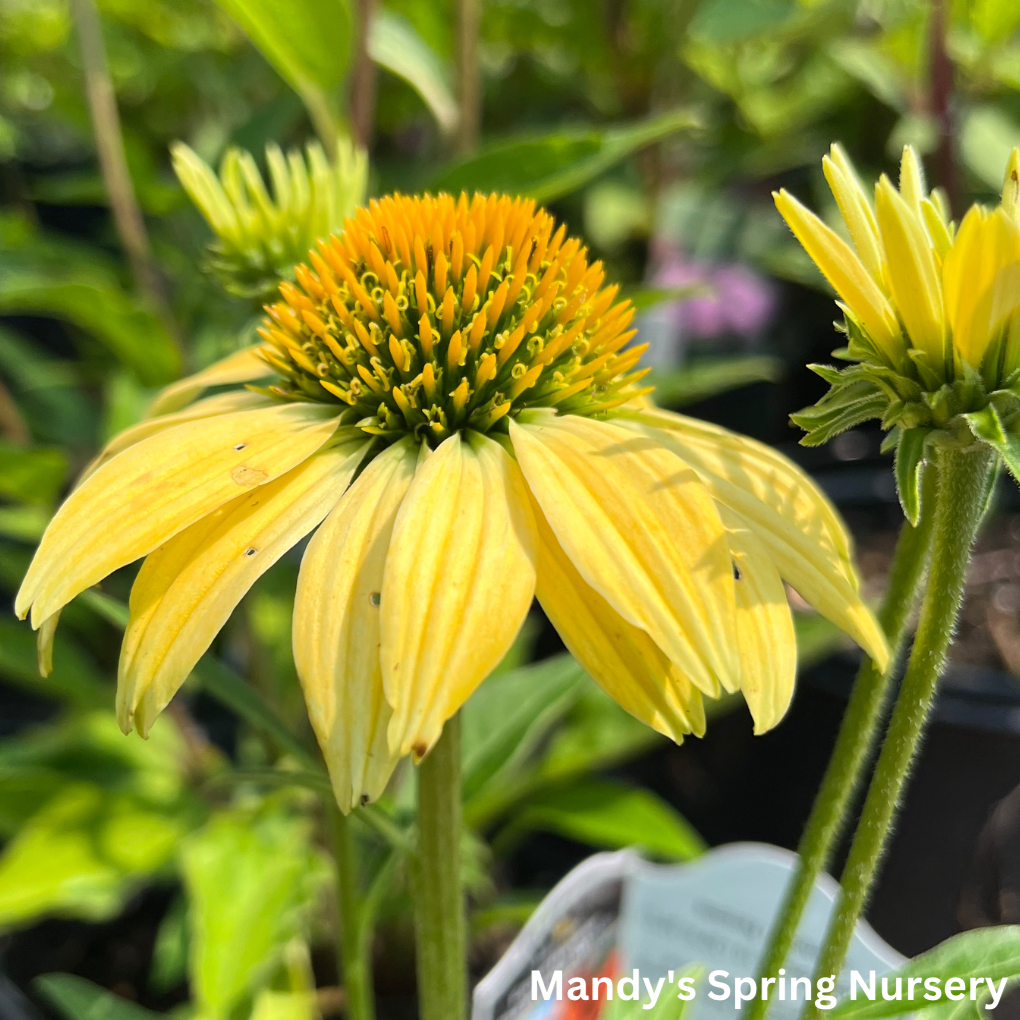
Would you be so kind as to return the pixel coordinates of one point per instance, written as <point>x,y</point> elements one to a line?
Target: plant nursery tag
<point>648,932</point>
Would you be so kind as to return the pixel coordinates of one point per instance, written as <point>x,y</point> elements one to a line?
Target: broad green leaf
<point>23,523</point>
<point>720,22</point>
<point>77,998</point>
<point>983,953</point>
<point>549,166</point>
<point>308,42</point>
<point>986,140</point>
<point>133,334</point>
<point>31,475</point>
<point>394,44</point>
<point>508,714</point>
<point>74,678</point>
<point>909,457</point>
<point>251,882</point>
<point>607,815</point>
<point>83,853</point>
<point>170,952</point>
<point>706,377</point>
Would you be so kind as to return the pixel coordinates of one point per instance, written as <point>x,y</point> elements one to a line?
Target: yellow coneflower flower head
<point>930,313</point>
<point>261,232</point>
<point>446,398</point>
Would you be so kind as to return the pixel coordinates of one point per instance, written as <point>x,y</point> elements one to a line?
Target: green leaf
<point>508,714</point>
<point>83,853</point>
<point>549,166</point>
<point>984,953</point>
<point>133,334</point>
<point>32,475</point>
<point>986,140</point>
<point>909,457</point>
<point>251,882</point>
<point>170,951</point>
<point>79,999</point>
<point>607,815</point>
<point>74,677</point>
<point>706,377</point>
<point>394,44</point>
<point>720,22</point>
<point>307,41</point>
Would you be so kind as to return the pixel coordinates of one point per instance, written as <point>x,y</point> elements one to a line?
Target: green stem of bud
<point>855,739</point>
<point>440,924</point>
<point>961,498</point>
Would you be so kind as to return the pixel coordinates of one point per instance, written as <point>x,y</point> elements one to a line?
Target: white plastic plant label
<point>617,918</point>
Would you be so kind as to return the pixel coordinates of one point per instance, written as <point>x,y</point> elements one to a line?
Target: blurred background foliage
<point>201,859</point>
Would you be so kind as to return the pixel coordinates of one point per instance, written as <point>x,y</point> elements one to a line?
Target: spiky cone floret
<point>930,314</point>
<point>261,232</point>
<point>452,409</point>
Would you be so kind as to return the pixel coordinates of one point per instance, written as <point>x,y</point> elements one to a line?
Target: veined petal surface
<point>160,486</point>
<point>240,367</point>
<point>187,588</point>
<point>856,211</point>
<point>621,658</point>
<point>222,403</point>
<point>459,580</point>
<point>642,531</point>
<point>784,508</point>
<point>337,627</point>
<point>767,641</point>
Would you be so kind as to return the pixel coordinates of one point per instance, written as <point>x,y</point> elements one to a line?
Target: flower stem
<point>963,477</point>
<point>855,738</point>
<point>439,908</point>
<point>353,949</point>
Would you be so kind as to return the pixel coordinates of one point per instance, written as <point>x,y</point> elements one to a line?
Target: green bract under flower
<point>431,315</point>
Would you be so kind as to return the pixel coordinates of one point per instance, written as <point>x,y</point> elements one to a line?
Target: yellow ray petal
<point>641,530</point>
<point>1011,187</point>
<point>459,579</point>
<point>622,659</point>
<point>913,272</point>
<point>912,184</point>
<point>785,509</point>
<point>856,211</point>
<point>240,367</point>
<point>187,589</point>
<point>981,277</point>
<point>222,403</point>
<point>845,271</point>
<point>768,643</point>
<point>158,487</point>
<point>337,625</point>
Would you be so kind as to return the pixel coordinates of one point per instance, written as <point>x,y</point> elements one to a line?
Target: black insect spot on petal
<point>250,552</point>
<point>736,572</point>
<point>240,447</point>
<point>375,599</point>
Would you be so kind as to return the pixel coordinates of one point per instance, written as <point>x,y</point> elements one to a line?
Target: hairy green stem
<point>353,947</point>
<point>961,497</point>
<point>855,738</point>
<point>440,924</point>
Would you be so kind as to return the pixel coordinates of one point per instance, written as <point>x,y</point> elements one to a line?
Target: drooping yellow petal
<point>188,587</point>
<point>913,272</point>
<point>845,271</point>
<point>240,367</point>
<point>768,643</point>
<point>222,403</point>
<point>641,530</point>
<point>784,508</point>
<point>337,627</point>
<point>981,277</point>
<point>621,658</point>
<point>856,211</point>
<point>458,583</point>
<point>158,487</point>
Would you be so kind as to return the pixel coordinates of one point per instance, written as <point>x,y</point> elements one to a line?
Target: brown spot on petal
<point>419,751</point>
<point>248,476</point>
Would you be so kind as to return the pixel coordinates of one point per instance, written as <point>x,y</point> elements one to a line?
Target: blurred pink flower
<point>740,300</point>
